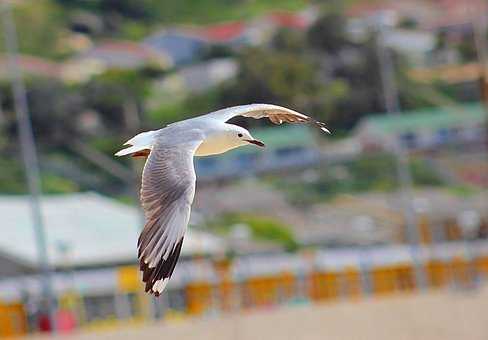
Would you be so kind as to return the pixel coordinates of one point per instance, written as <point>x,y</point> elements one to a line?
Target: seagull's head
<point>241,136</point>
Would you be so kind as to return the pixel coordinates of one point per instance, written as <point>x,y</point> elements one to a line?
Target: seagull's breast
<point>215,145</point>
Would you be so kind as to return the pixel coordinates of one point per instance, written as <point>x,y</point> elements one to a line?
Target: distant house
<point>398,11</point>
<point>186,44</point>
<point>230,33</point>
<point>114,54</point>
<point>449,73</point>
<point>193,79</point>
<point>377,218</point>
<point>299,21</point>
<point>31,66</point>
<point>456,16</point>
<point>181,46</point>
<point>416,45</point>
<point>424,129</point>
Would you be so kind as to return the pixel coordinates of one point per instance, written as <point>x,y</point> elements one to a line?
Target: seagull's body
<point>168,179</point>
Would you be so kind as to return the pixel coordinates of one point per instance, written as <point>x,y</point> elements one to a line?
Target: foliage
<point>423,175</point>
<point>261,227</point>
<point>53,107</point>
<point>183,11</point>
<point>52,184</point>
<point>368,173</point>
<point>282,77</point>
<point>328,33</point>
<point>40,26</point>
<point>115,91</point>
<point>13,181</point>
<point>321,72</point>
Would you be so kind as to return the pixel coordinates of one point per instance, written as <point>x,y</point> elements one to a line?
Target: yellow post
<point>424,229</point>
<point>199,297</point>
<point>13,320</point>
<point>437,273</point>
<point>352,282</point>
<point>383,280</point>
<point>482,265</point>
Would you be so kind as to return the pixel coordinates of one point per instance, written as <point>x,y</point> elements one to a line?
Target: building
<point>424,129</point>
<point>31,66</point>
<point>451,74</point>
<point>416,45</point>
<point>186,44</point>
<point>192,79</point>
<point>82,230</point>
<point>114,54</point>
<point>181,45</point>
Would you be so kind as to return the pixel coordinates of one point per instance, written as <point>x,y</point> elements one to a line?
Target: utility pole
<point>29,155</point>
<point>480,28</point>
<point>392,105</point>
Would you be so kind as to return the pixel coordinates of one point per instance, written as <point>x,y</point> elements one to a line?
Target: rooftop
<point>31,65</point>
<point>82,229</point>
<point>432,118</point>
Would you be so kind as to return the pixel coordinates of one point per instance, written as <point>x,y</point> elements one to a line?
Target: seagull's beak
<point>256,142</point>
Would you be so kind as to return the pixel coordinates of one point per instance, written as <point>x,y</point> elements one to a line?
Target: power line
<point>29,156</point>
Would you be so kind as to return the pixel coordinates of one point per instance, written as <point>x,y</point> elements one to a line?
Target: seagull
<point>168,177</point>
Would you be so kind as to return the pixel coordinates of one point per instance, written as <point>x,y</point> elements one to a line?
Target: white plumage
<point>168,179</point>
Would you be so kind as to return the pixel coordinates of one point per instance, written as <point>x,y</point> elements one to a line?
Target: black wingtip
<point>162,271</point>
<point>322,126</point>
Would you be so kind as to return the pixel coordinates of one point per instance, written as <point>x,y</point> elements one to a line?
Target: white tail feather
<point>139,142</point>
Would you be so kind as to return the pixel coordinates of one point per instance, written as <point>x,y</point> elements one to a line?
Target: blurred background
<point>378,231</point>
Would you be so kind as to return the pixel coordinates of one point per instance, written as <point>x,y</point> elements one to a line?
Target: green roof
<point>432,119</point>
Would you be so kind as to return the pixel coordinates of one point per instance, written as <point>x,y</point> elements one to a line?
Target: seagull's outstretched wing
<point>276,114</point>
<point>168,187</point>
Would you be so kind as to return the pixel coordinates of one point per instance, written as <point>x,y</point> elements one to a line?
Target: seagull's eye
<point>239,135</point>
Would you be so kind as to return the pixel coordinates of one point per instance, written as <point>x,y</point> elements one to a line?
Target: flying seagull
<point>168,178</point>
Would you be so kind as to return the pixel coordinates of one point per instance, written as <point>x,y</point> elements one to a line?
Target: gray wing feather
<point>276,114</point>
<point>168,187</point>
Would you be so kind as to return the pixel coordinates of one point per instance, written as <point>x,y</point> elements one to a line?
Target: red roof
<point>32,65</point>
<point>431,13</point>
<point>288,20</point>
<point>456,12</point>
<point>134,48</point>
<point>365,8</point>
<point>222,32</point>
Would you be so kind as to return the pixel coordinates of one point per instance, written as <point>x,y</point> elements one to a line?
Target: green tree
<point>40,25</point>
<point>115,91</point>
<point>328,33</point>
<point>283,78</point>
